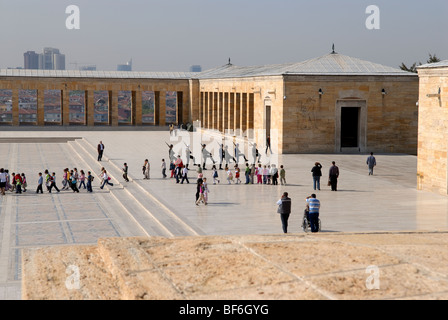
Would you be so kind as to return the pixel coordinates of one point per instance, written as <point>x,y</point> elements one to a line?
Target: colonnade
<point>225,111</point>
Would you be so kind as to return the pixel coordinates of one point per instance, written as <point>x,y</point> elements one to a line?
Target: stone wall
<point>433,130</point>
<point>89,85</point>
<point>388,121</point>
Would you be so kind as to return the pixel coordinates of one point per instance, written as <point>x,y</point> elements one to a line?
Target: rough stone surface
<point>406,265</point>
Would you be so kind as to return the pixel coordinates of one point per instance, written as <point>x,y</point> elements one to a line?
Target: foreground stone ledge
<point>410,265</point>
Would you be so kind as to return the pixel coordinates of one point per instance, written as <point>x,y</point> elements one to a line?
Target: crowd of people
<point>74,180</point>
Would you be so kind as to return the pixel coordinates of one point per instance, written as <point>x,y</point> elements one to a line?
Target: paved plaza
<point>387,201</point>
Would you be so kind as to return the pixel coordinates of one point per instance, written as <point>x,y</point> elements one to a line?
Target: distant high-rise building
<point>31,60</point>
<point>125,67</point>
<point>49,59</point>
<point>196,68</point>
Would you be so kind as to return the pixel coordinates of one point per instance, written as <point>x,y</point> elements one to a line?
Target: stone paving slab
<point>268,267</point>
<point>387,201</point>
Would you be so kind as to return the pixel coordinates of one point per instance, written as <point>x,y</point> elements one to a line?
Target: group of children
<point>70,180</point>
<point>265,174</point>
<point>14,182</point>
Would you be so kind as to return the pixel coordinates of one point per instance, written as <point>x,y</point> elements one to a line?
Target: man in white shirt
<point>184,175</point>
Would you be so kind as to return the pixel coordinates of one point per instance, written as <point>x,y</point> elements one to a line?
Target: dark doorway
<point>349,127</point>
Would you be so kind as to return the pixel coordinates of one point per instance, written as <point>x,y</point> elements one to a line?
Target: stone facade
<point>89,85</point>
<point>432,165</point>
<point>331,104</point>
<point>387,122</point>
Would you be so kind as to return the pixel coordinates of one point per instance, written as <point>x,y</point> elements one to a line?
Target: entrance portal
<point>349,127</point>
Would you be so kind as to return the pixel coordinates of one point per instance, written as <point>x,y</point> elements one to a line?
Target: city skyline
<point>161,36</point>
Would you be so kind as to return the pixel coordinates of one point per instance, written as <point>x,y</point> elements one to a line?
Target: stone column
<point>204,111</point>
<point>65,108</point>
<point>113,108</point>
<point>200,116</point>
<point>225,124</point>
<point>186,108</point>
<point>219,111</point>
<point>40,107</point>
<point>237,114</point>
<point>250,111</point>
<point>180,108</point>
<point>215,110</point>
<point>156,107</point>
<point>194,101</point>
<point>15,107</point>
<point>231,122</point>
<point>137,101</point>
<point>162,108</point>
<point>244,111</point>
<point>90,108</point>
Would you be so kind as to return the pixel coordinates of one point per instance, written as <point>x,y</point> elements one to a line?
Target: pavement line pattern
<point>309,284</point>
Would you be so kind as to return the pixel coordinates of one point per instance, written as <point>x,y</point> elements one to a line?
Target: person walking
<point>18,180</point>
<point>215,174</point>
<point>317,173</point>
<point>184,175</point>
<point>65,180</point>
<point>282,176</point>
<point>172,168</point>
<point>284,209</point>
<point>100,150</point>
<point>229,175</point>
<point>8,181</point>
<point>252,173</point>
<point>206,190</point>
<point>313,206</point>
<point>106,179</point>
<point>163,166</point>
<point>24,183</point>
<point>198,189</point>
<point>145,169</point>
<point>371,163</point>
<point>237,174</point>
<point>82,178</point>
<point>247,173</point>
<point>265,174</point>
<point>259,174</point>
<point>125,170</point>
<point>2,181</point>
<point>47,180</point>
<point>274,174</point>
<point>333,176</point>
<point>53,182</point>
<point>201,193</point>
<point>73,182</point>
<point>89,181</point>
<point>40,182</point>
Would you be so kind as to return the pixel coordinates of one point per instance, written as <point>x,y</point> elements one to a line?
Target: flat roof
<point>94,74</point>
<point>441,64</point>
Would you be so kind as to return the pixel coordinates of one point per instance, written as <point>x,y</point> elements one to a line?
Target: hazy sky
<point>172,35</point>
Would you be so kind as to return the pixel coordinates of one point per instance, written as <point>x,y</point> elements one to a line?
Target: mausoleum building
<point>330,104</point>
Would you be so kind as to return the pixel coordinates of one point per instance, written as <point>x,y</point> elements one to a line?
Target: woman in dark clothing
<point>317,173</point>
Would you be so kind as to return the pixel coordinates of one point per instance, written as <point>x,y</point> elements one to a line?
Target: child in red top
<point>18,180</point>
<point>237,174</point>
